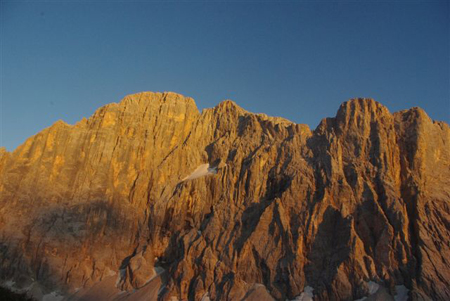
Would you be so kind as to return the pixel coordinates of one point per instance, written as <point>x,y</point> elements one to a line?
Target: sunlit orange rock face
<point>102,204</point>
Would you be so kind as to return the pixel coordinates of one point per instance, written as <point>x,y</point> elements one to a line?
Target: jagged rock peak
<point>144,100</point>
<point>157,96</point>
<point>361,107</point>
<point>171,99</point>
<point>146,105</point>
<point>229,106</point>
<point>60,123</point>
<point>359,113</point>
<point>415,113</point>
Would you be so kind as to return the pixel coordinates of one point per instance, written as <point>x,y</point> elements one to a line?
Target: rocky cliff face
<point>274,211</point>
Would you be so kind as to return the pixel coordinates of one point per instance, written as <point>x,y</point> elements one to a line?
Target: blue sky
<point>295,59</point>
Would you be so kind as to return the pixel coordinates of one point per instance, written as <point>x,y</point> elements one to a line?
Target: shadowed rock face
<point>363,198</point>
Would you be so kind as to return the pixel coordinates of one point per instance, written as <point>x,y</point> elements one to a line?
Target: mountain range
<point>151,199</point>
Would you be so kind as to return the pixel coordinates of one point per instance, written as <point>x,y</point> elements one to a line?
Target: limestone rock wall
<point>364,197</point>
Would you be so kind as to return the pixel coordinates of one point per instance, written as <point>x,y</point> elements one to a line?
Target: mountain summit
<point>151,199</point>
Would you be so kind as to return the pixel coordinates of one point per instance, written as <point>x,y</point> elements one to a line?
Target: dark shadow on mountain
<point>276,185</point>
<point>83,230</point>
<point>331,247</point>
<point>8,295</point>
<point>90,220</point>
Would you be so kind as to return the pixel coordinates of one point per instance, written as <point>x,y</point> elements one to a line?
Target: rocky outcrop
<point>280,211</point>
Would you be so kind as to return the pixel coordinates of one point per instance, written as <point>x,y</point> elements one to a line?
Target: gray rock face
<point>364,197</point>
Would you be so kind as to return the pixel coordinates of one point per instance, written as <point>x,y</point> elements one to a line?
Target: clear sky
<point>295,59</point>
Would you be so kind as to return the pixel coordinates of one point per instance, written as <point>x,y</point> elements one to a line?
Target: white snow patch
<point>9,284</point>
<point>201,171</point>
<point>205,297</point>
<point>122,274</point>
<point>53,296</point>
<point>159,270</point>
<point>111,272</point>
<point>28,288</point>
<point>373,287</point>
<point>31,289</point>
<point>402,293</point>
<point>307,294</point>
<point>156,272</point>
